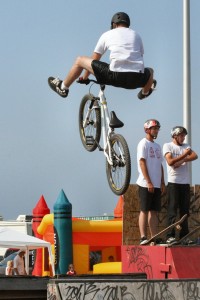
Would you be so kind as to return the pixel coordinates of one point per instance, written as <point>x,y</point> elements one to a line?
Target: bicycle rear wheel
<point>89,122</point>
<point>119,174</point>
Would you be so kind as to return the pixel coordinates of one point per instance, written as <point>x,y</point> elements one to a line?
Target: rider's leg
<point>148,88</point>
<point>82,62</point>
<point>62,87</point>
<point>149,83</point>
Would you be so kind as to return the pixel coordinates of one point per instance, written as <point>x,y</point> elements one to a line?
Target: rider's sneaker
<point>55,85</point>
<point>171,240</point>
<point>143,240</point>
<point>141,96</point>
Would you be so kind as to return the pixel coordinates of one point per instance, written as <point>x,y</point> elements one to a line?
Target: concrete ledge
<point>23,287</point>
<point>126,288</point>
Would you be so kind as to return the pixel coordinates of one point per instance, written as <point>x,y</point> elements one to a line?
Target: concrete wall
<point>124,290</point>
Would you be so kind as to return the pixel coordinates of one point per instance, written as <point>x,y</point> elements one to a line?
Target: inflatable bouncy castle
<point>87,243</point>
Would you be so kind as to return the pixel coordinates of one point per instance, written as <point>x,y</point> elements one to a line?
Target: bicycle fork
<point>92,106</point>
<point>107,131</point>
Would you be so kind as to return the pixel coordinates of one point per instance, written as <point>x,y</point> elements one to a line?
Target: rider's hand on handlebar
<point>83,81</point>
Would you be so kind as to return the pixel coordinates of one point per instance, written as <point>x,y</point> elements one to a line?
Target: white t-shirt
<point>8,271</point>
<point>126,49</point>
<point>18,263</point>
<point>181,174</point>
<point>152,153</point>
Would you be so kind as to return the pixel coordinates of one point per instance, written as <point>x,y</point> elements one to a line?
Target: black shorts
<point>149,201</point>
<point>127,80</point>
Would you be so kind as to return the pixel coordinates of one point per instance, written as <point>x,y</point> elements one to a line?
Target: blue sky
<point>41,152</point>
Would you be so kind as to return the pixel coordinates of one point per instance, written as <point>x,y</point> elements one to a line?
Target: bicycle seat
<point>114,121</point>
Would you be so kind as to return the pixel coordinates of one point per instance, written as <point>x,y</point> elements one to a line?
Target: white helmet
<point>151,123</point>
<point>178,130</point>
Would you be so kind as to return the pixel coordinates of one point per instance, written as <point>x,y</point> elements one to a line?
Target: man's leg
<point>184,204</point>
<point>148,88</point>
<point>172,205</point>
<point>62,87</point>
<point>143,221</point>
<point>149,83</point>
<point>153,222</point>
<point>82,62</point>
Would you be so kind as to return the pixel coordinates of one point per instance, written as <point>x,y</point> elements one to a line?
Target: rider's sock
<point>63,87</point>
<point>143,93</point>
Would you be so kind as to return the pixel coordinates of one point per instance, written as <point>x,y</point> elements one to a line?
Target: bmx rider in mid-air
<point>126,68</point>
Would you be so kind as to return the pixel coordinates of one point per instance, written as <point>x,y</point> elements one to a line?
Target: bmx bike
<point>94,120</point>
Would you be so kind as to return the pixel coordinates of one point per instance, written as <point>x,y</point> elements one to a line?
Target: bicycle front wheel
<point>89,123</point>
<point>119,174</point>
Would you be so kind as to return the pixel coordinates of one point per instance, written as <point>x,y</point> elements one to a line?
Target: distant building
<point>23,223</point>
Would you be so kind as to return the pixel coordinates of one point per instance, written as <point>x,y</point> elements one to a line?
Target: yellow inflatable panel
<point>108,268</point>
<point>81,258</point>
<point>96,226</point>
<point>83,225</point>
<point>46,221</point>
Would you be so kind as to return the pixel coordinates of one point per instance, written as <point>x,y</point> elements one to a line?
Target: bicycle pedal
<point>90,140</point>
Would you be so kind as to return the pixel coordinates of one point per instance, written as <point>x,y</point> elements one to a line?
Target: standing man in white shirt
<point>178,155</point>
<point>18,266</point>
<point>126,68</point>
<point>151,181</point>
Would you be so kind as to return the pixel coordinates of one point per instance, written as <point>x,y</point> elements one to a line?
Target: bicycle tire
<point>91,134</point>
<point>119,174</point>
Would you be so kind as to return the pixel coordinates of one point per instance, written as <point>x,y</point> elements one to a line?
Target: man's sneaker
<point>55,85</point>
<point>141,96</point>
<point>143,240</point>
<point>171,240</point>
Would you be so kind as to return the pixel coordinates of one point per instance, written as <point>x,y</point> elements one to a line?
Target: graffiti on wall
<point>139,257</point>
<point>140,290</point>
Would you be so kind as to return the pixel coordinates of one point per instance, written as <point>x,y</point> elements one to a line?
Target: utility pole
<point>187,74</point>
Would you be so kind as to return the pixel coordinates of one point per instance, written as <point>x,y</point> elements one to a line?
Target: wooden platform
<point>131,235</point>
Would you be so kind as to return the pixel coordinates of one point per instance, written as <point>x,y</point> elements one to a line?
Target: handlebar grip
<point>83,81</point>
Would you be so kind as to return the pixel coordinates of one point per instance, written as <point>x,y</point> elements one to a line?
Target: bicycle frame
<point>106,129</point>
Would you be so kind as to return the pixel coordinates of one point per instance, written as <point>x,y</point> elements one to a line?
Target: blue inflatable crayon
<point>62,234</point>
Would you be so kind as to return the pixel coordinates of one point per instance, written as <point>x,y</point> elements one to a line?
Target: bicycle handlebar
<point>86,81</point>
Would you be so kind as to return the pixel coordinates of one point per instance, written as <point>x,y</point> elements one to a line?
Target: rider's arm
<point>95,56</point>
